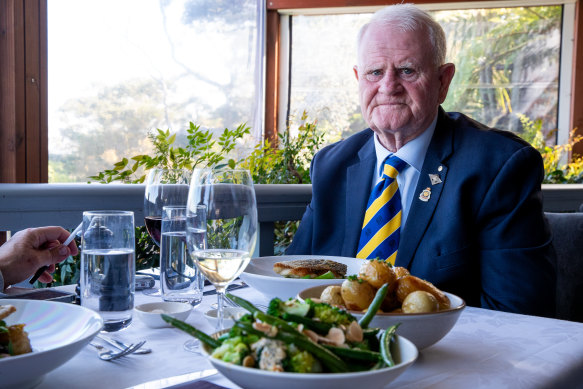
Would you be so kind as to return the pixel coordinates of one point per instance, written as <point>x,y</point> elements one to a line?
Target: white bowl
<point>57,331</point>
<point>403,351</point>
<point>259,275</point>
<point>423,329</point>
<point>229,314</point>
<point>150,313</point>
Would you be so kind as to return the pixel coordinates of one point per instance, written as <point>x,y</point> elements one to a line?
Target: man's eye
<point>374,75</point>
<point>407,71</point>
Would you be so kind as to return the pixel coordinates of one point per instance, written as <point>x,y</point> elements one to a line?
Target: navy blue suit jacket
<point>481,235</point>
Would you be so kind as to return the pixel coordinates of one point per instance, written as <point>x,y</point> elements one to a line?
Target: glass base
<point>154,292</point>
<point>193,346</point>
<point>112,326</point>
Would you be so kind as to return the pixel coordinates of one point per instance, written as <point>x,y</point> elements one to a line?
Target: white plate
<point>403,351</point>
<point>57,331</point>
<point>259,275</point>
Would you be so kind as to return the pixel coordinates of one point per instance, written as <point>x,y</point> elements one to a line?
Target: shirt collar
<point>413,152</point>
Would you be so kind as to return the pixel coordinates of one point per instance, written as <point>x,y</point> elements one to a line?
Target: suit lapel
<point>421,211</point>
<point>358,186</point>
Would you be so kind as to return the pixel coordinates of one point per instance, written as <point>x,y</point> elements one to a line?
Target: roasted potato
<point>420,301</point>
<point>400,271</point>
<point>377,273</point>
<point>332,295</point>
<point>357,293</point>
<point>409,284</point>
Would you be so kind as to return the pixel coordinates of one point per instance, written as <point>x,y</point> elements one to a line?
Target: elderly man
<point>457,203</point>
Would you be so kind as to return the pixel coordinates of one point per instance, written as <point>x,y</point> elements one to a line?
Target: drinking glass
<point>164,187</point>
<point>230,231</point>
<point>180,279</point>
<point>108,266</point>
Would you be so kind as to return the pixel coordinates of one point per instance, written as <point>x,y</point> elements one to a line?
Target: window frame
<point>570,116</point>
<point>23,74</point>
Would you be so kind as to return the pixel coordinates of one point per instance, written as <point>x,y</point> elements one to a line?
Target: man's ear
<point>446,73</point>
<point>355,68</point>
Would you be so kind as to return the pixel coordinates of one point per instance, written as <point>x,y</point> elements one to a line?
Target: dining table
<point>485,349</point>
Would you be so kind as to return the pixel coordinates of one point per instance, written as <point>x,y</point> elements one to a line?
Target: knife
<point>170,382</point>
<point>229,288</point>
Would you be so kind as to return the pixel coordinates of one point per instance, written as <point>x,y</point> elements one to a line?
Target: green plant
<point>202,150</point>
<point>287,164</point>
<point>556,171</point>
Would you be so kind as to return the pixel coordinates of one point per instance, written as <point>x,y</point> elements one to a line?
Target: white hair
<point>407,18</point>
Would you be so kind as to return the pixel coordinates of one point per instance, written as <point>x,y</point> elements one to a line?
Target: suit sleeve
<point>516,252</point>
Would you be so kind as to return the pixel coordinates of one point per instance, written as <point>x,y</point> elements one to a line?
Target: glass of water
<point>180,279</point>
<point>108,266</point>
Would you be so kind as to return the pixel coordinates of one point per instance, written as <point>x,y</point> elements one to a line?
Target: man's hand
<point>30,249</point>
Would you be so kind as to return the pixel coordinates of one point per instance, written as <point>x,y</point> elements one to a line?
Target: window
<point>121,69</point>
<point>507,67</point>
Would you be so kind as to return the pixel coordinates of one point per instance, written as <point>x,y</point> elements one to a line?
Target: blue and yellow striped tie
<point>379,237</point>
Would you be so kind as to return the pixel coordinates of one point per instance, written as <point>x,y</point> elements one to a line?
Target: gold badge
<point>425,194</point>
<point>435,179</point>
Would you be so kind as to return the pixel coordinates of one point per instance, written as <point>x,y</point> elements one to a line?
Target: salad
<point>301,337</point>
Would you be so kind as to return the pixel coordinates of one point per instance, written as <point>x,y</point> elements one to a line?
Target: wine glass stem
<point>220,297</point>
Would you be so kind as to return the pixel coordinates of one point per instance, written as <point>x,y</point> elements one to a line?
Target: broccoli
<point>302,361</point>
<point>278,307</point>
<point>232,350</point>
<point>329,314</point>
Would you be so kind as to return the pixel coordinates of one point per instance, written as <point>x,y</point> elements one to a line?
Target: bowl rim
<point>396,314</point>
<point>85,338</point>
<point>140,308</point>
<point>284,374</point>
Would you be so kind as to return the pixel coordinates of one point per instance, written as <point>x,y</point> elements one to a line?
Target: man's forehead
<point>401,46</point>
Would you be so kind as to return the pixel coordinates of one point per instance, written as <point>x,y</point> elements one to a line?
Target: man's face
<point>400,88</point>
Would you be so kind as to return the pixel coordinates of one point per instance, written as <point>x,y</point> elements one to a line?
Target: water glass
<point>108,266</point>
<point>180,279</point>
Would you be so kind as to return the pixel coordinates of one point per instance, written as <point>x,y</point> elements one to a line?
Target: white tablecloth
<point>486,349</point>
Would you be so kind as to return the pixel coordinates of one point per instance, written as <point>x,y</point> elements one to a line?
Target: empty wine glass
<point>164,187</point>
<point>223,245</point>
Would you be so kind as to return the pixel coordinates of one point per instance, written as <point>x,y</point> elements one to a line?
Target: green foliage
<point>202,150</point>
<point>289,163</point>
<point>556,172</point>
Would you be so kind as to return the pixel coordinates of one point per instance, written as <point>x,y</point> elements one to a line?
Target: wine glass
<point>163,187</point>
<point>222,245</point>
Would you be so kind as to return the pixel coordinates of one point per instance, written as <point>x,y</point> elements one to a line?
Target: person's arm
<point>30,249</point>
<point>515,240</point>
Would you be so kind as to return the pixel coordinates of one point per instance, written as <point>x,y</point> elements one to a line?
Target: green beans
<point>374,306</point>
<point>191,331</point>
<point>243,303</point>
<point>326,357</point>
<point>317,326</point>
<point>386,338</point>
<point>355,353</point>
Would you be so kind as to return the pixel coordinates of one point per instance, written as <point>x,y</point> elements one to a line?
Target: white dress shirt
<point>413,153</point>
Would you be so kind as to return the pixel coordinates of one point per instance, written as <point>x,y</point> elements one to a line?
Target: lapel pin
<point>440,168</point>
<point>425,195</point>
<point>435,179</point>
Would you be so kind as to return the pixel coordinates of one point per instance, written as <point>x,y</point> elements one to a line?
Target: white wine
<point>221,266</point>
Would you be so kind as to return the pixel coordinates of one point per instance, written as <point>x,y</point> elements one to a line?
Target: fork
<point>106,354</point>
<point>120,345</point>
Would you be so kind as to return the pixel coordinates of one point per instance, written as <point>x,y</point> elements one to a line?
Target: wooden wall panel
<point>23,92</point>
<point>272,76</point>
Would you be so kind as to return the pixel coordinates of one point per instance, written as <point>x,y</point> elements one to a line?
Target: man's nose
<point>390,83</point>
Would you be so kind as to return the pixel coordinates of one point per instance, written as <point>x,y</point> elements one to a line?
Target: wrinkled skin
<point>28,250</point>
<point>400,87</point>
